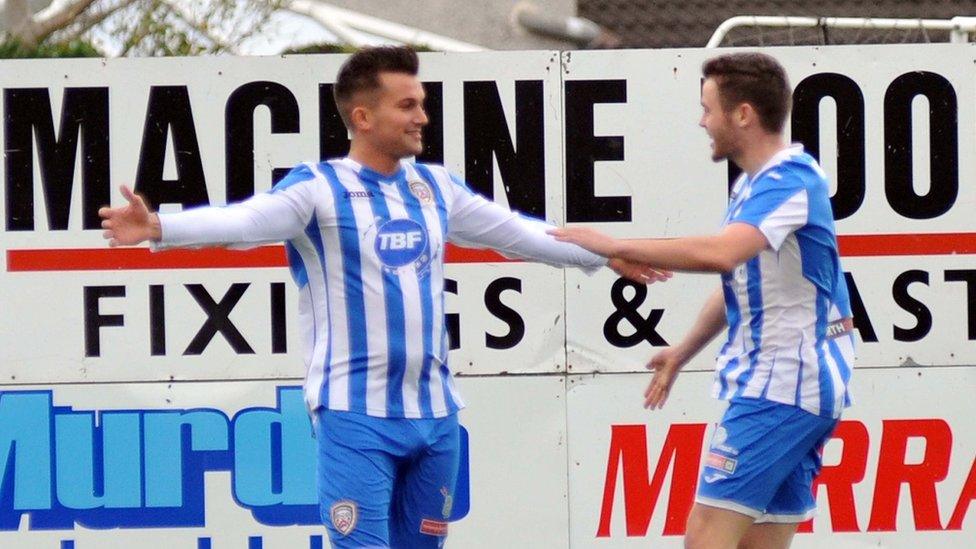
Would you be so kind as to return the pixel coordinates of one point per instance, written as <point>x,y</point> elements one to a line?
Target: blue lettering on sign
<point>145,468</point>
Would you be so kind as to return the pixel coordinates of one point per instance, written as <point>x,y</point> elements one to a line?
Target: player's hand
<point>130,224</point>
<point>585,237</point>
<point>638,272</point>
<point>666,364</point>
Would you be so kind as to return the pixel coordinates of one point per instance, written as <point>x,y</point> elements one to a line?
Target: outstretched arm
<point>265,217</point>
<point>478,221</point>
<point>668,363</point>
<point>777,207</point>
<point>721,253</point>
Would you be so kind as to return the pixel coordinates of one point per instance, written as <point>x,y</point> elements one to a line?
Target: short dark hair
<point>360,73</point>
<point>753,78</point>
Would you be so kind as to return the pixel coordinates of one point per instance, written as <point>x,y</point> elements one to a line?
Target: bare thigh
<point>714,528</point>
<point>768,535</point>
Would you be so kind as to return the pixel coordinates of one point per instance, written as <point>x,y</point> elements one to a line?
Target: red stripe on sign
<point>867,245</point>
<point>457,254</point>
<point>104,259</point>
<point>110,259</point>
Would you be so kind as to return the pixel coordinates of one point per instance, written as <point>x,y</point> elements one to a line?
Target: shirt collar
<point>778,158</point>
<point>373,175</point>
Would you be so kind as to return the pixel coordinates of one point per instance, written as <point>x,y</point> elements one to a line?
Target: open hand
<point>666,365</point>
<point>130,224</point>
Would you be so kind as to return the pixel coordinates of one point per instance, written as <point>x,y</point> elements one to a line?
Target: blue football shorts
<point>762,461</point>
<point>386,482</point>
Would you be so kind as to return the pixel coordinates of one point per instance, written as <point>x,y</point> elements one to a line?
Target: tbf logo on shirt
<point>402,243</point>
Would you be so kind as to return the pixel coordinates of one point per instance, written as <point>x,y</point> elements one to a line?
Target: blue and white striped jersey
<point>367,253</point>
<point>790,336</point>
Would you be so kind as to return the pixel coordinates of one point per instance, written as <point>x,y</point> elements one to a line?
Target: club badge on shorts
<point>344,516</point>
<point>422,191</point>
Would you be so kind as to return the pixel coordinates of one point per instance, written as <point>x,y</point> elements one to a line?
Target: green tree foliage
<point>12,49</point>
<point>328,47</point>
<point>134,27</point>
<point>111,28</point>
<point>321,48</point>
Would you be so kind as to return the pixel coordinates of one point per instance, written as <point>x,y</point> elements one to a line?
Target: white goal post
<point>960,28</point>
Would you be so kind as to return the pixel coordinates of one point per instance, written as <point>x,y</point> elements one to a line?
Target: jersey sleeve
<point>476,221</point>
<point>279,214</point>
<point>777,206</point>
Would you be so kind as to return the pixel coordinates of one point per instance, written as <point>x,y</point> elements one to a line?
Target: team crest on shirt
<point>344,516</point>
<point>403,244</point>
<point>422,192</point>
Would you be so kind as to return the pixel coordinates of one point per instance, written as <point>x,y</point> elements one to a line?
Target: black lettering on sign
<point>969,277</point>
<point>278,174</point>
<point>239,130</point>
<point>645,329</point>
<point>733,171</point>
<point>95,320</point>
<point>805,128</point>
<point>862,322</point>
<point>584,149</point>
<point>169,112</point>
<point>434,132</point>
<point>487,139</point>
<point>157,320</point>
<point>493,301</point>
<point>218,319</point>
<point>279,341</point>
<point>27,118</point>
<point>452,320</point>
<point>911,305</point>
<point>943,145</point>
<point>334,137</point>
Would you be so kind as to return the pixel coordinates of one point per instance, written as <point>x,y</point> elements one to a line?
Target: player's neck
<point>759,151</point>
<point>373,159</point>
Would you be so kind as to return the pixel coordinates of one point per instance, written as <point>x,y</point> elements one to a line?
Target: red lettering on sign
<point>921,477</point>
<point>839,480</point>
<point>683,446</point>
<point>966,496</point>
<point>628,448</point>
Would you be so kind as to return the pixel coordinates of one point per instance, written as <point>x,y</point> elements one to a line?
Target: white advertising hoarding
<point>200,130</point>
<point>900,471</point>
<point>894,128</point>
<point>216,464</point>
<point>548,359</point>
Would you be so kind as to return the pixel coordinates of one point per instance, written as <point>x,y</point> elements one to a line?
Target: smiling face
<point>717,122</point>
<point>391,118</point>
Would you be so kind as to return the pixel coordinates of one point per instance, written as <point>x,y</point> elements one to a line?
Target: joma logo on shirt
<point>359,194</point>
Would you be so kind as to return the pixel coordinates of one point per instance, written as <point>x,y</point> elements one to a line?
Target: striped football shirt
<point>367,253</point>
<point>788,310</point>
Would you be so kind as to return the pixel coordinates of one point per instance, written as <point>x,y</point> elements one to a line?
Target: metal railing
<point>356,29</point>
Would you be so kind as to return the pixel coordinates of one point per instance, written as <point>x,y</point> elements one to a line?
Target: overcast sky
<point>286,30</point>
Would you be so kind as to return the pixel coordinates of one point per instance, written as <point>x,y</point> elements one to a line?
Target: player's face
<point>717,123</point>
<point>398,115</point>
